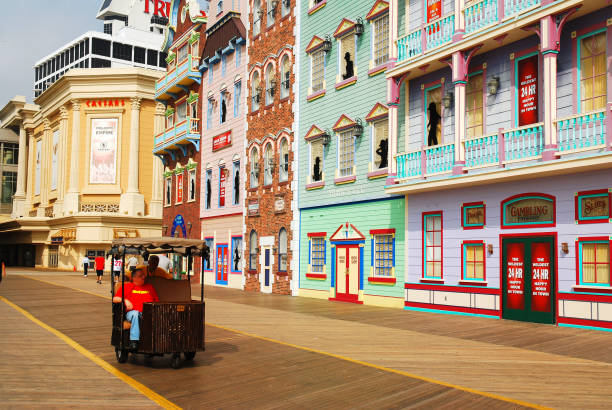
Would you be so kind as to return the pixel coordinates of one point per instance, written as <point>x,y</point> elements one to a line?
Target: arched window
<point>285,76</point>
<point>253,250</point>
<point>286,7</point>
<point>282,250</point>
<point>283,166</point>
<point>255,92</point>
<point>268,164</point>
<point>271,12</point>
<point>256,17</point>
<point>254,168</point>
<point>270,84</point>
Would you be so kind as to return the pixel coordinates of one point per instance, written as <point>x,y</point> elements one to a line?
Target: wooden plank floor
<point>236,371</point>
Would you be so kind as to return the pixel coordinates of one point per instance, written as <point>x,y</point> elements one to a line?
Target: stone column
<point>58,207</point>
<point>20,194</point>
<point>45,168</point>
<point>29,173</point>
<point>71,200</point>
<point>132,201</point>
<point>156,205</point>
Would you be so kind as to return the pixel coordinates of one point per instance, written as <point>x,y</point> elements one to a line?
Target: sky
<point>32,29</point>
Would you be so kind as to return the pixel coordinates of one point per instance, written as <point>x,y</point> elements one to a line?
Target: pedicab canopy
<point>164,244</point>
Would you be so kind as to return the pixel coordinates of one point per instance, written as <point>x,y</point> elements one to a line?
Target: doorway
<point>528,278</point>
<point>347,273</point>
<point>222,264</point>
<point>266,283</point>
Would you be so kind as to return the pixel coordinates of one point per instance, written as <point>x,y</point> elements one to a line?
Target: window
<point>268,164</point>
<point>237,92</point>
<point>162,59</point>
<point>210,74</point>
<point>381,40</point>
<point>286,7</point>
<point>120,51</point>
<point>152,57</point>
<point>593,71</point>
<point>210,242</point>
<point>10,154</point>
<point>236,193</point>
<point>594,262</point>
<point>236,263</point>
<point>346,153</point>
<point>316,161</point>
<point>208,194</point>
<point>223,64</point>
<point>384,248</point>
<point>170,120</point>
<point>238,55</point>
<point>271,13</point>
<point>254,168</point>
<point>381,144</point>
<point>100,63</point>
<point>182,53</point>
<point>181,112</point>
<point>209,114</point>
<point>253,251</point>
<point>285,76</point>
<point>192,185</point>
<point>9,186</point>
<point>195,48</point>
<point>282,250</point>
<point>168,191</point>
<point>223,110</point>
<point>222,183</point>
<point>346,57</point>
<point>474,106</point>
<point>432,244</point>
<point>219,7</point>
<point>317,254</point>
<point>256,17</point>
<point>317,70</point>
<point>433,105</point>
<point>193,109</point>
<point>270,84</point>
<point>473,261</point>
<point>108,28</point>
<point>283,168</point>
<point>255,92</point>
<point>139,55</point>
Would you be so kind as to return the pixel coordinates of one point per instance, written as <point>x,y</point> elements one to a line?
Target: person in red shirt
<point>99,262</point>
<point>136,294</point>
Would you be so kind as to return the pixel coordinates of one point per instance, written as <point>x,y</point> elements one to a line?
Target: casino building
<point>504,137</point>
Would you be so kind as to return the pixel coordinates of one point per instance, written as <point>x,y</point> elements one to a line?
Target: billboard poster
<point>434,10</point>
<point>222,140</point>
<point>103,163</point>
<point>222,187</point>
<point>515,274</point>
<point>528,90</point>
<point>179,187</point>
<point>38,167</point>
<point>54,153</point>
<point>540,277</point>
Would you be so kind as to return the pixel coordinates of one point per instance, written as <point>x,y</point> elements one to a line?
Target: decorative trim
<point>314,133</point>
<point>447,288</point>
<point>344,123</point>
<point>344,28</point>
<point>378,112</point>
<point>345,180</point>
<point>316,276</point>
<point>345,83</point>
<point>317,7</point>
<point>316,95</point>
<point>192,97</point>
<point>315,43</point>
<point>375,280</point>
<point>379,8</point>
<point>379,173</point>
<point>315,185</point>
<point>382,231</point>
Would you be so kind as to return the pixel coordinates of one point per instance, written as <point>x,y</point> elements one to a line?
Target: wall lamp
<point>447,100</point>
<point>493,85</point>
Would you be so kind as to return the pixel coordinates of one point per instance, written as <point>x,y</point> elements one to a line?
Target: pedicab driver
<point>137,293</point>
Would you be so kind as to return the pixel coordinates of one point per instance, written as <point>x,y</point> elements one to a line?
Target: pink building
<point>224,79</point>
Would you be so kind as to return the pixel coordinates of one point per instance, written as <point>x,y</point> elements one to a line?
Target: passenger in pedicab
<point>152,269</point>
<point>137,292</point>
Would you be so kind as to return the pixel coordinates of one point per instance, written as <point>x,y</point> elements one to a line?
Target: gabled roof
<point>378,9</point>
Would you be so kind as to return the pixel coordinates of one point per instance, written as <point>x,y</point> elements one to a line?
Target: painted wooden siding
<point>389,214</point>
<point>355,101</point>
<point>449,202</point>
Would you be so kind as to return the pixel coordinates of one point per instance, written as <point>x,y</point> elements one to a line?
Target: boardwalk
<point>324,354</point>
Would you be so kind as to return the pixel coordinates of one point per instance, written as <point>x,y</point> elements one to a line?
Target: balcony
<point>178,138</point>
<point>576,137</point>
<point>178,79</point>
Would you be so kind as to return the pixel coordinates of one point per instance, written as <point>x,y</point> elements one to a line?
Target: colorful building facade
<point>351,231</point>
<point>178,129</point>
<point>223,64</point>
<point>270,201</point>
<point>504,137</point>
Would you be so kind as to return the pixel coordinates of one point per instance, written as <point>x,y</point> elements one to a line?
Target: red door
<point>222,263</point>
<point>347,273</point>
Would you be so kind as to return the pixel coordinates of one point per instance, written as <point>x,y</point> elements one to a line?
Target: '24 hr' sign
<point>528,90</point>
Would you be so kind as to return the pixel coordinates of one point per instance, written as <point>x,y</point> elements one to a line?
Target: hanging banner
<point>179,187</point>
<point>515,274</point>
<point>222,141</point>
<point>540,277</point>
<point>222,187</point>
<point>38,167</point>
<point>434,10</point>
<point>103,164</point>
<point>528,90</point>
<point>54,153</point>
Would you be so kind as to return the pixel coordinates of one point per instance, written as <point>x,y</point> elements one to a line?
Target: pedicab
<point>175,324</point>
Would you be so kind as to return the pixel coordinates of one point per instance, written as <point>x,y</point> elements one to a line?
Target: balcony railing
<point>479,15</point>
<point>512,7</point>
<point>194,125</point>
<point>582,132</point>
<point>432,35</point>
<point>182,133</point>
<point>185,73</point>
<point>523,143</point>
<point>428,161</point>
<point>481,151</point>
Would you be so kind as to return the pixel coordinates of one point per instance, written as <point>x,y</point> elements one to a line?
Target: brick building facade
<point>270,155</point>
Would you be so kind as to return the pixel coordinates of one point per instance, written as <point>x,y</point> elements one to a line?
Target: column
<point>58,206</point>
<point>71,200</point>
<point>459,20</point>
<point>156,205</point>
<point>20,194</point>
<point>29,173</point>
<point>132,201</point>
<point>549,47</point>
<point>45,166</point>
<point>459,68</point>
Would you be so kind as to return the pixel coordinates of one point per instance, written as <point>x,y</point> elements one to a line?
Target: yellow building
<point>85,170</point>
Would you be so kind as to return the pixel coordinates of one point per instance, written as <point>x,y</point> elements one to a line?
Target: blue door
<point>267,267</point>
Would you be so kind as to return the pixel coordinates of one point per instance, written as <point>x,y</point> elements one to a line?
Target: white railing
<point>481,151</point>
<point>582,132</point>
<point>523,143</point>
<point>480,14</point>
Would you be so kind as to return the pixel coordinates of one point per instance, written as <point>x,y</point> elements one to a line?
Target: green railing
<point>523,143</point>
<point>480,15</point>
<point>481,151</point>
<point>582,132</point>
<point>439,159</point>
<point>409,165</point>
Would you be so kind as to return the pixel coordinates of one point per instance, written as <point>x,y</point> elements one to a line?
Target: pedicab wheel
<point>189,355</point>
<point>176,360</point>
<point>121,354</point>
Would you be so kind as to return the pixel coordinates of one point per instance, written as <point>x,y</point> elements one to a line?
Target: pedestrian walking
<point>2,270</point>
<point>85,263</point>
<point>99,261</point>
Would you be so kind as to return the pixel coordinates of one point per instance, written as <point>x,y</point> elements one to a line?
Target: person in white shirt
<point>132,263</point>
<point>85,263</point>
<point>165,263</point>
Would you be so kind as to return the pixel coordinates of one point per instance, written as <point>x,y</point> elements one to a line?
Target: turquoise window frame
<point>516,83</point>
<point>591,218</point>
<point>506,204</point>
<point>425,91</point>
<point>579,68</point>
<point>464,246</point>
<point>583,283</point>
<point>464,219</point>
<point>208,178</point>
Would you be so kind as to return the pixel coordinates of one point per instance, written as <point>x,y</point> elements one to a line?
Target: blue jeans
<point>132,316</point>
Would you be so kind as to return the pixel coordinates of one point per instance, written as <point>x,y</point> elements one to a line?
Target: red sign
<point>222,187</point>
<point>161,8</point>
<point>540,277</point>
<point>515,274</point>
<point>179,188</point>
<point>222,141</point>
<point>105,103</point>
<point>434,10</point>
<point>528,90</point>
